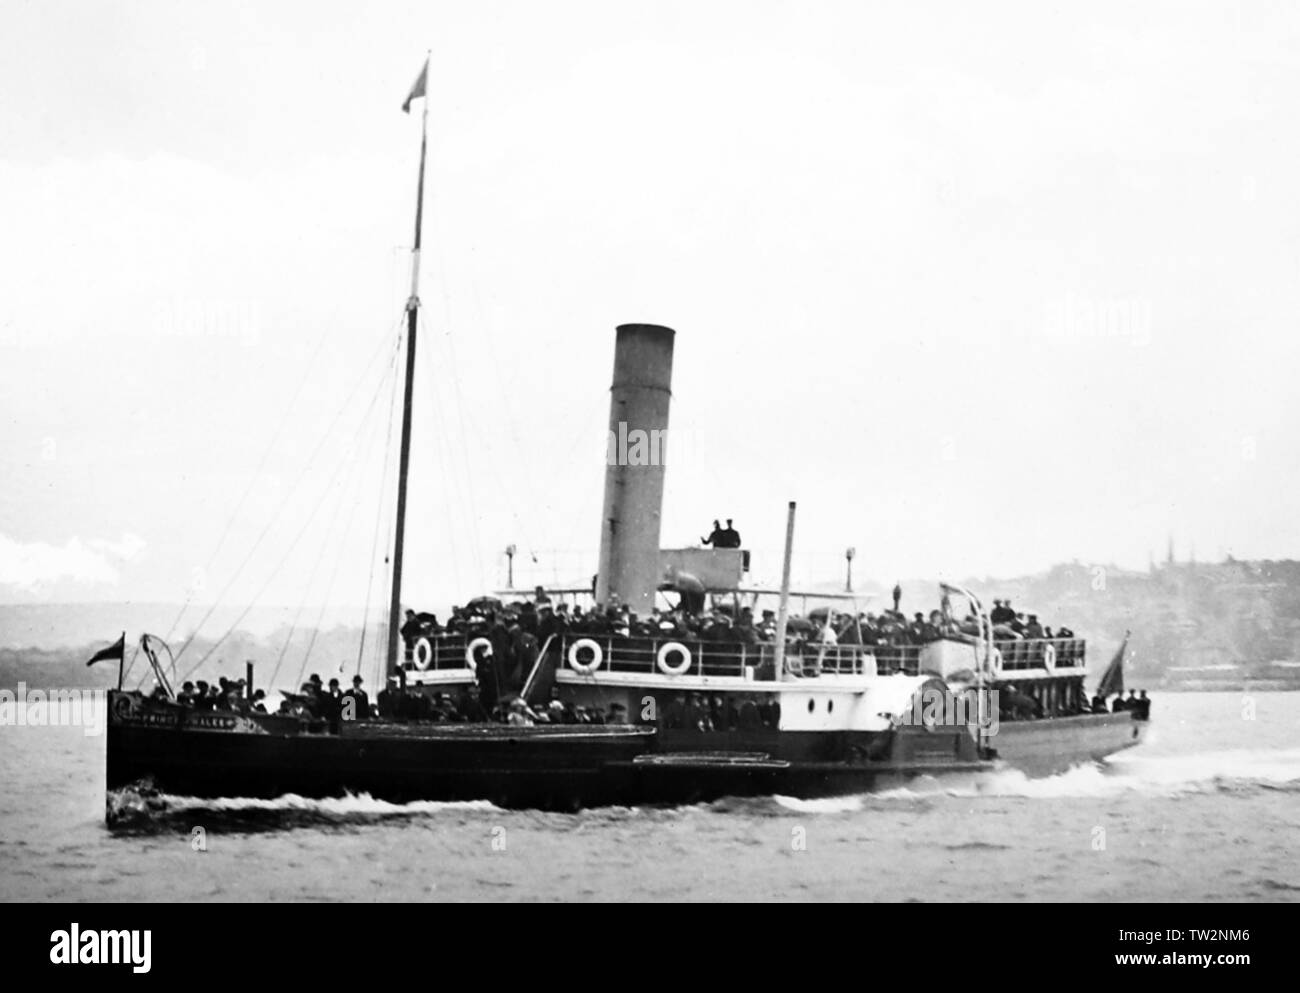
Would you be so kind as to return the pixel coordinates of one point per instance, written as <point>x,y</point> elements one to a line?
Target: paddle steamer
<point>793,716</point>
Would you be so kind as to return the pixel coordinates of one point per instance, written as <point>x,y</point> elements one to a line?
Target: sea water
<point>1208,808</point>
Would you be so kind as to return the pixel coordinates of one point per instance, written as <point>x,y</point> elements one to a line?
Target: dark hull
<point>1048,747</point>
<point>562,767</point>
<point>512,769</point>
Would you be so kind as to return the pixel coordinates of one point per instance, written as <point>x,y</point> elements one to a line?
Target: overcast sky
<point>983,287</point>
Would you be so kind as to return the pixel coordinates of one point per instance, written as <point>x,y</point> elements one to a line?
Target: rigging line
<point>297,538</point>
<point>459,411</point>
<point>359,480</point>
<point>302,606</point>
<point>283,561</point>
<point>252,481</point>
<point>388,529</point>
<point>379,512</point>
<point>448,477</point>
<point>285,502</point>
<point>347,461</point>
<point>382,576</point>
<point>462,436</point>
<point>462,471</point>
<point>453,486</point>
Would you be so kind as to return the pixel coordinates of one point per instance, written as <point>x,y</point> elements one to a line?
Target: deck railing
<point>1066,653</point>
<point>735,660</point>
<point>730,659</point>
<point>444,651</point>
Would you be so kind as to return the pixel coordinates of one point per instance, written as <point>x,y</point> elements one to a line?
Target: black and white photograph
<point>730,451</point>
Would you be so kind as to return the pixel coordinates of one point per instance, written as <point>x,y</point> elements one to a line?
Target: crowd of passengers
<point>1037,699</point>
<point>512,627</point>
<point>314,699</point>
<point>517,630</point>
<point>225,694</point>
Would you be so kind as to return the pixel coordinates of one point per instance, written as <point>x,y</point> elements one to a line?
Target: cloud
<point>31,565</point>
<point>125,548</point>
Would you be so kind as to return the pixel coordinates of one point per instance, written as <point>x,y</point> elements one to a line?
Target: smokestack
<point>634,466</point>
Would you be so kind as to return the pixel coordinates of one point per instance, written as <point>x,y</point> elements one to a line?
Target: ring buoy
<point>585,668</point>
<point>423,654</point>
<point>471,660</point>
<point>1049,657</point>
<point>666,649</point>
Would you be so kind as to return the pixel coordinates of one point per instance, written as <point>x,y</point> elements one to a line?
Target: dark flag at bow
<point>1112,680</point>
<point>117,650</point>
<point>417,91</point>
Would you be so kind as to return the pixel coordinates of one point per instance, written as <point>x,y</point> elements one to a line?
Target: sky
<point>982,287</point>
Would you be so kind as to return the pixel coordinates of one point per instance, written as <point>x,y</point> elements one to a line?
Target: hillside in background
<point>1182,616</point>
<point>279,657</point>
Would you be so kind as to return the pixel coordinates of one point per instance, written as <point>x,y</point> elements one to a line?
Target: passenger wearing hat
<point>330,706</point>
<point>410,629</point>
<point>354,705</point>
<point>916,630</point>
<point>362,698</point>
<point>310,697</point>
<point>731,537</point>
<point>717,537</point>
<point>389,698</point>
<point>234,695</point>
<point>202,696</point>
<point>519,713</point>
<point>186,696</point>
<point>469,707</point>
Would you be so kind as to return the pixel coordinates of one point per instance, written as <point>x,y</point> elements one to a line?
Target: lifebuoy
<point>422,660</point>
<point>585,668</point>
<point>471,660</point>
<point>1049,657</point>
<point>666,649</point>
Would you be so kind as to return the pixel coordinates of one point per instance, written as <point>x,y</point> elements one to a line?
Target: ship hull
<point>1049,747</point>
<point>564,767</point>
<point>554,771</point>
<point>508,771</point>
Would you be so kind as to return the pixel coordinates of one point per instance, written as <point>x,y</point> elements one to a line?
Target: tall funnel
<point>634,466</point>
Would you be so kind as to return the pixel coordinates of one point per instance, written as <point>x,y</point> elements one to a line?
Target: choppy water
<point>1207,809</point>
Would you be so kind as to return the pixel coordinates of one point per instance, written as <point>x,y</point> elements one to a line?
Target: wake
<point>1153,775</point>
<point>141,809</point>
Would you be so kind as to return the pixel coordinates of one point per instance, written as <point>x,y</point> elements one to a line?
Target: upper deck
<point>693,664</point>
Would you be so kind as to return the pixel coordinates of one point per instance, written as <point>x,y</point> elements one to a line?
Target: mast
<point>783,612</point>
<point>412,314</point>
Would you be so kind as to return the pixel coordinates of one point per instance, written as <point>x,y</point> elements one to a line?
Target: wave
<point>824,805</point>
<point>142,809</point>
<point>1170,775</point>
